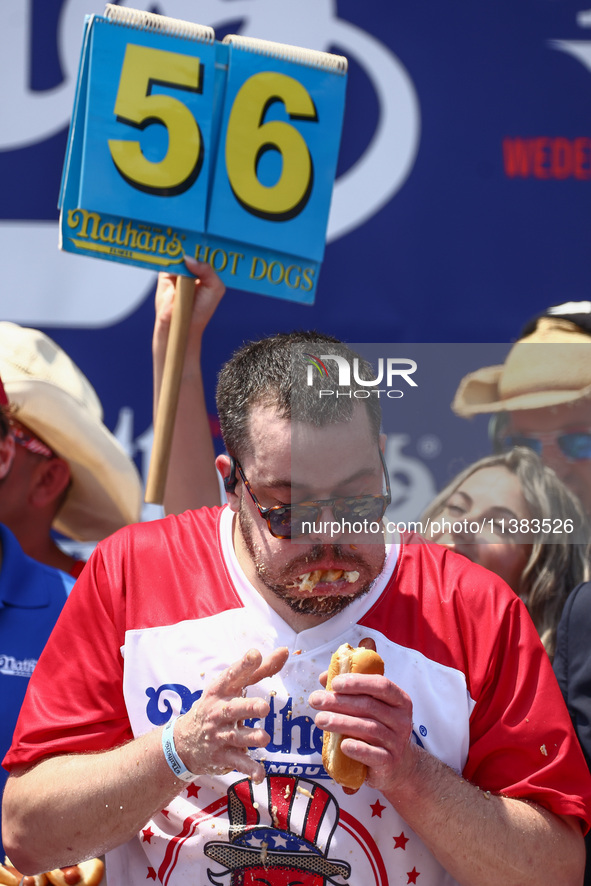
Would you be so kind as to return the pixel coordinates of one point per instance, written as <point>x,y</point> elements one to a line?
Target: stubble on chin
<point>302,602</point>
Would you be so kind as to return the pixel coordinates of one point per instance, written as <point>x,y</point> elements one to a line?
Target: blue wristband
<point>171,756</point>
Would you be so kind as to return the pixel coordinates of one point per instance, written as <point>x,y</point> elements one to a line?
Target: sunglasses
<point>287,521</point>
<point>576,445</point>
<point>29,441</point>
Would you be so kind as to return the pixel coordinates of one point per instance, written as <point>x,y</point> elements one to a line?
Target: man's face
<point>17,483</point>
<point>335,461</point>
<point>564,419</point>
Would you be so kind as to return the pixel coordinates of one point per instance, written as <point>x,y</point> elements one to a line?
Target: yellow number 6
<point>136,106</point>
<point>248,137</point>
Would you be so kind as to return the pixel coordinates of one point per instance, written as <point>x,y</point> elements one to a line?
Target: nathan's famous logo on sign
<point>124,238</point>
<point>391,371</point>
<point>164,247</point>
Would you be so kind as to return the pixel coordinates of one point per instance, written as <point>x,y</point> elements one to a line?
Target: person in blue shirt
<point>32,595</point>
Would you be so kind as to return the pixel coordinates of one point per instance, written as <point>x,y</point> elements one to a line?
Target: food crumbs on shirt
<point>287,791</point>
<point>274,817</point>
<point>297,652</point>
<point>264,846</point>
<point>303,791</point>
<point>543,750</point>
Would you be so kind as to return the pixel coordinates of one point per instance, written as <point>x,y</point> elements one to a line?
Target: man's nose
<point>326,528</point>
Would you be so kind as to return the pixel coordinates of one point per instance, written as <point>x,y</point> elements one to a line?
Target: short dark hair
<point>274,372</point>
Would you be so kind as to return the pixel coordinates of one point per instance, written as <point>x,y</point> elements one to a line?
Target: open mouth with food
<point>326,580</point>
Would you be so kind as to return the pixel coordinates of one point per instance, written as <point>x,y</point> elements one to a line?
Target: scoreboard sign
<point>184,145</point>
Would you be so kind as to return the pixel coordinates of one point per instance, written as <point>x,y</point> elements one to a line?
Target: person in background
<point>540,397</point>
<point>32,595</point>
<point>481,513</point>
<point>69,472</point>
<point>182,731</point>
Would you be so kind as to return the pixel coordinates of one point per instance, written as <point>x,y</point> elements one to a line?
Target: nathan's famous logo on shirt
<point>391,372</point>
<point>13,667</point>
<point>294,735</point>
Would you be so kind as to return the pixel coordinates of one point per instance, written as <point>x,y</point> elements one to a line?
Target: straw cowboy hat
<point>549,367</point>
<point>52,397</point>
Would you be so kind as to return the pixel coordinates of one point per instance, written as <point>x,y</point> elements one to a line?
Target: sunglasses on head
<point>575,445</point>
<point>287,521</point>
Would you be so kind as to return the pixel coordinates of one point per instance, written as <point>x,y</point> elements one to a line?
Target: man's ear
<point>226,465</point>
<point>52,477</point>
<point>7,446</point>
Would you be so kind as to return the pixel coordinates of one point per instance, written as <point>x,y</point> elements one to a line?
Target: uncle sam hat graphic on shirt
<point>284,822</point>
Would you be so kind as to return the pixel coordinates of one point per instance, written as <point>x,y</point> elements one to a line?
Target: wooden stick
<point>169,391</point>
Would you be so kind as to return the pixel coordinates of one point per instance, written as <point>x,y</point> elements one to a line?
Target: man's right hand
<point>211,738</point>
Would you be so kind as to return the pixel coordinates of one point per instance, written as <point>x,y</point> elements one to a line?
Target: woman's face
<point>477,518</point>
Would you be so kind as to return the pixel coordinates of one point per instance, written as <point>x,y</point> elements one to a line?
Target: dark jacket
<point>572,666</point>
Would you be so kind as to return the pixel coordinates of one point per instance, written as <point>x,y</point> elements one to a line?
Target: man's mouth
<point>307,581</point>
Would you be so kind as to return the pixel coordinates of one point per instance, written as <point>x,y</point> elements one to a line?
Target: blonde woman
<point>496,513</point>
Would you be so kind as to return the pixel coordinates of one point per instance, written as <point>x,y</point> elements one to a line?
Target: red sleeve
<point>521,739</point>
<point>88,712</point>
<point>454,612</point>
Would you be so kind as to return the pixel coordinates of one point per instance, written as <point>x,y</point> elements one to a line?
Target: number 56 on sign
<point>181,144</point>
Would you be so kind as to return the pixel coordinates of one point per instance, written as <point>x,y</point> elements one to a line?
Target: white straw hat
<point>549,367</point>
<point>55,400</point>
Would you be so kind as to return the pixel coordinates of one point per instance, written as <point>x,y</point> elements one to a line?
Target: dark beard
<point>307,604</point>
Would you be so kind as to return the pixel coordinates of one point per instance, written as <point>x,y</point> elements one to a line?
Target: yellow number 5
<point>138,107</point>
<point>248,137</point>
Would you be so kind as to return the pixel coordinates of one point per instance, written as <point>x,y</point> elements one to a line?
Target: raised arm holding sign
<point>184,145</point>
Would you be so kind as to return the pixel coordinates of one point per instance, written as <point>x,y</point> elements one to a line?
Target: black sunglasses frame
<point>266,513</point>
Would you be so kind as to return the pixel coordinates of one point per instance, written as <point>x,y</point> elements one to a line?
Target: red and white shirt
<point>163,607</point>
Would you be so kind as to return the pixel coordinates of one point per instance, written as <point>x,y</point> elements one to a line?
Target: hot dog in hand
<point>347,660</point>
<point>87,873</point>
<point>9,876</point>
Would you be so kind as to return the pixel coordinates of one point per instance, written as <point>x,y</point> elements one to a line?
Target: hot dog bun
<point>347,660</point>
<point>9,876</point>
<point>87,873</point>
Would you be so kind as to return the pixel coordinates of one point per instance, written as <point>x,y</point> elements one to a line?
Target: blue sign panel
<point>139,185</point>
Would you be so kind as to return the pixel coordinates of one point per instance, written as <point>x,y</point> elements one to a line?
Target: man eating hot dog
<point>175,720</point>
